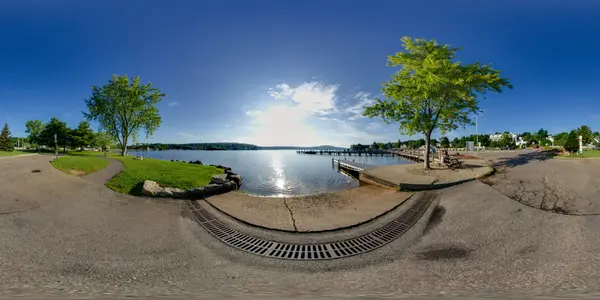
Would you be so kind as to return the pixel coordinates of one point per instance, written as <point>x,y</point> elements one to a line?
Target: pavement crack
<point>24,210</point>
<point>291,215</point>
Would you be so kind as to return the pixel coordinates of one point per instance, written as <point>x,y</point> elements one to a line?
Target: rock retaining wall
<point>219,184</point>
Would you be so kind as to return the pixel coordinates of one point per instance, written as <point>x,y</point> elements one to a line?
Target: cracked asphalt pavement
<point>538,180</point>
<point>62,235</point>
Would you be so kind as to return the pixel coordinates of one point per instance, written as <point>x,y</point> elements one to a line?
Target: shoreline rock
<point>219,184</point>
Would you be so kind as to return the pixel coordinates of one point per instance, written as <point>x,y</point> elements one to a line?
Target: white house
<point>516,139</point>
<point>498,136</point>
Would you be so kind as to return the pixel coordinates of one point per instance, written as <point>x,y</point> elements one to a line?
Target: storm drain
<point>350,247</point>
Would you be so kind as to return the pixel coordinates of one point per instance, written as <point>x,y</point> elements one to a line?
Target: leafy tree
<point>34,128</point>
<point>445,143</point>
<point>596,137</point>
<point>55,126</point>
<point>103,140</point>
<point>572,143</point>
<point>433,91</point>
<point>586,134</point>
<point>124,107</point>
<point>83,135</point>
<point>540,135</point>
<point>506,141</point>
<point>526,136</point>
<point>560,139</point>
<point>6,143</point>
<point>456,142</point>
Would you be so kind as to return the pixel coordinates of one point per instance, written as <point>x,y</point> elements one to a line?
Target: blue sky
<point>292,72</point>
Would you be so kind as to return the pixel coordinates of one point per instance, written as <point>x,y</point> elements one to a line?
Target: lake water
<point>278,172</point>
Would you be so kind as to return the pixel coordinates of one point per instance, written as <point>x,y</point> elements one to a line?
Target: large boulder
<point>151,188</point>
<point>236,178</point>
<point>213,189</point>
<point>172,192</point>
<point>219,179</point>
<point>228,187</point>
<point>195,193</point>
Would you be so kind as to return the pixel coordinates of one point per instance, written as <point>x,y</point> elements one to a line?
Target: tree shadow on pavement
<point>524,158</point>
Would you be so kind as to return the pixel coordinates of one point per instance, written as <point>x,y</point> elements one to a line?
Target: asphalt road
<point>65,236</point>
<point>538,180</point>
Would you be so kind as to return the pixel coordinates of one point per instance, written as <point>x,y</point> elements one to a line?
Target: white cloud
<point>174,103</point>
<point>314,113</point>
<point>373,126</point>
<point>356,109</point>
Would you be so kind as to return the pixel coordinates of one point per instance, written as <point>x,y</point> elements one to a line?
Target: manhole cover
<point>35,171</point>
<point>350,247</point>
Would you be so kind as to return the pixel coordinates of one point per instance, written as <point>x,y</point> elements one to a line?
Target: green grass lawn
<point>11,153</point>
<point>586,154</point>
<point>166,173</point>
<point>79,165</point>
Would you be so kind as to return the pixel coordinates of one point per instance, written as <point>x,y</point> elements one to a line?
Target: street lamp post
<point>477,131</point>
<point>55,146</point>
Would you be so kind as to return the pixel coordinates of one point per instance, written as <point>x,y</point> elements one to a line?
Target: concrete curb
<point>419,187</point>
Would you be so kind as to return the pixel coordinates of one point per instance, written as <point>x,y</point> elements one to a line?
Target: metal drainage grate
<point>350,247</point>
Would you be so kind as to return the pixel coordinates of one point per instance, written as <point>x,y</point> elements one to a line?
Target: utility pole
<point>55,146</point>
<point>477,130</point>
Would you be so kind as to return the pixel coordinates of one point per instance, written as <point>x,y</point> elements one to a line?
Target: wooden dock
<point>351,165</point>
<point>347,152</point>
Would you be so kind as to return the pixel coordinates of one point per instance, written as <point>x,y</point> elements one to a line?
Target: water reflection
<point>277,166</point>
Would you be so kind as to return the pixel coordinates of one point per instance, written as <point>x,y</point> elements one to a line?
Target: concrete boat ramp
<point>400,176</point>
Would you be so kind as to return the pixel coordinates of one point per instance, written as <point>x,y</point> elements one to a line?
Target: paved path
<point>80,238</point>
<point>101,177</point>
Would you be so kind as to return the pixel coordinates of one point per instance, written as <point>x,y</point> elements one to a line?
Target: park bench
<point>452,162</point>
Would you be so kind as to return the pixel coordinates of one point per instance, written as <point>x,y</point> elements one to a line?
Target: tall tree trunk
<point>125,139</point>
<point>427,150</point>
<point>124,150</point>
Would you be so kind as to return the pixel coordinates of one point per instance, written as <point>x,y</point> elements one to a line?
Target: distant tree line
<point>194,146</point>
<point>569,140</point>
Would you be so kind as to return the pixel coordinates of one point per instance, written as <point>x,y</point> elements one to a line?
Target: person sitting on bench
<point>444,156</point>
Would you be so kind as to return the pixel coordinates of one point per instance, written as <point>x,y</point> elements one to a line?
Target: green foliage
<point>572,143</point>
<point>433,91</point>
<point>586,134</point>
<point>166,173</point>
<point>11,153</point>
<point>83,135</point>
<point>34,128</point>
<point>124,108</point>
<point>6,143</point>
<point>55,126</point>
<point>456,143</point>
<point>79,165</point>
<point>526,136</point>
<point>560,139</point>
<point>445,142</point>
<point>103,140</point>
<point>542,133</point>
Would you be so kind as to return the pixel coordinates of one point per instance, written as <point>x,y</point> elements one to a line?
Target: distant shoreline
<point>317,149</point>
